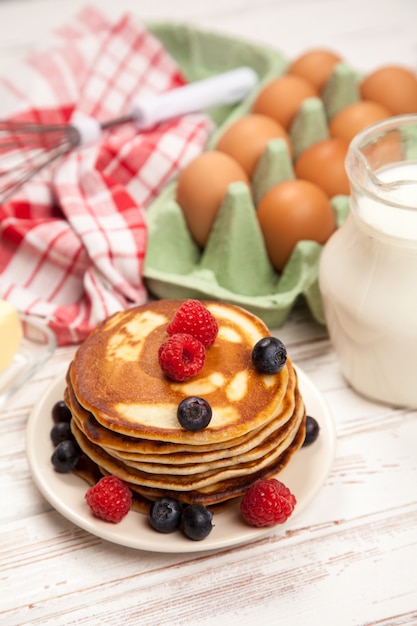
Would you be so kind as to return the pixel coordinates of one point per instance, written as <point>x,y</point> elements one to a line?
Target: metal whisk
<point>26,148</point>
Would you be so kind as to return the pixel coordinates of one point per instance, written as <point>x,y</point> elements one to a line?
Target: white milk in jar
<point>368,268</point>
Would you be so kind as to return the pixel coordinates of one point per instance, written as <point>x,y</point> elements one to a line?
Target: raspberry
<point>181,356</point>
<point>195,319</point>
<point>267,502</point>
<point>109,499</point>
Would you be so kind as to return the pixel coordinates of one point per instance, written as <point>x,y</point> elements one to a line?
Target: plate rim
<point>44,477</point>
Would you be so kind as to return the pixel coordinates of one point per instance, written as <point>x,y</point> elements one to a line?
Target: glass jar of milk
<point>368,268</point>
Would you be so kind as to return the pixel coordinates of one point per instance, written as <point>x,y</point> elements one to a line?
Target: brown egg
<point>323,163</point>
<point>355,117</point>
<point>201,188</point>
<point>316,66</point>
<point>245,140</point>
<point>281,98</point>
<point>293,211</point>
<point>392,86</point>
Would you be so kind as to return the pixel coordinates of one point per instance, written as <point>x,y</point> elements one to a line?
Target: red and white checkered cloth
<point>73,239</point>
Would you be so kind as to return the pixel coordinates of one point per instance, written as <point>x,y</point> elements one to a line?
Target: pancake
<point>161,452</point>
<point>270,436</point>
<point>193,475</point>
<point>209,488</point>
<point>116,376</point>
<point>226,490</point>
<point>183,464</point>
<point>124,408</point>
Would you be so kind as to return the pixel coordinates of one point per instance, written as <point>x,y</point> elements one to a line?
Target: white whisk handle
<point>226,88</point>
<point>88,128</point>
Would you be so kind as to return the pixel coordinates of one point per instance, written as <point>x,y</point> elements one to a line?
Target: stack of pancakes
<point>124,409</point>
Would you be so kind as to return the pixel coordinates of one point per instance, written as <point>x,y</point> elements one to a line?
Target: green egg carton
<point>234,266</point>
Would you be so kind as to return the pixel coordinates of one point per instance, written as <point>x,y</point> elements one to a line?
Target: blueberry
<point>60,412</point>
<point>66,456</point>
<point>312,430</point>
<point>165,515</point>
<point>196,522</point>
<point>194,413</point>
<point>269,355</point>
<point>60,432</point>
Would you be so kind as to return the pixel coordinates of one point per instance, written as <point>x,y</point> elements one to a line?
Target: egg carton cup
<point>234,265</point>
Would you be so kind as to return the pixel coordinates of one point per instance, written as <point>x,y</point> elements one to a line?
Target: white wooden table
<point>350,557</point>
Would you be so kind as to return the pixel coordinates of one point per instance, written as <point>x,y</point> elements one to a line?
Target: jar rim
<point>359,170</point>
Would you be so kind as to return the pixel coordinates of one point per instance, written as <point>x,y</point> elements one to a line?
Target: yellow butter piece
<point>10,333</point>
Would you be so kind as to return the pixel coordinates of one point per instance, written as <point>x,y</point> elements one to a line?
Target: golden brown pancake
<point>124,408</point>
<point>116,376</point>
<point>230,484</point>
<point>161,452</point>
<point>226,490</point>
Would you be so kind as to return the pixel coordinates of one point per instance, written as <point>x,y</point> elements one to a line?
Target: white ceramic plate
<point>305,475</point>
